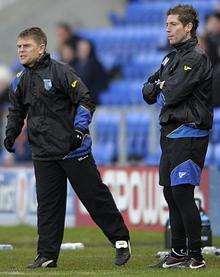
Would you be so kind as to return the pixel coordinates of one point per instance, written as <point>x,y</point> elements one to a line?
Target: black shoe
<point>42,262</point>
<point>170,262</point>
<point>123,252</point>
<point>193,264</point>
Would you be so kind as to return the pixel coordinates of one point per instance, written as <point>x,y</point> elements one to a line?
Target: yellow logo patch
<point>74,83</point>
<point>187,68</point>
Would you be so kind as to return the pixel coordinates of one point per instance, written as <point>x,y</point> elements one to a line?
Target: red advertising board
<point>139,197</point>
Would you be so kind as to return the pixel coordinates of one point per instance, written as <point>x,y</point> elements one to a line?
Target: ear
<point>189,27</point>
<point>42,48</point>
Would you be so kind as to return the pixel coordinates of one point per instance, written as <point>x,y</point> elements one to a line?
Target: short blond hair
<point>36,33</point>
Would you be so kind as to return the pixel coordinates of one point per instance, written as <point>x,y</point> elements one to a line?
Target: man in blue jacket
<point>183,88</point>
<point>59,110</point>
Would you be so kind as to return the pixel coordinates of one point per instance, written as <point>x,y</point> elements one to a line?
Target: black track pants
<point>184,217</point>
<point>51,180</point>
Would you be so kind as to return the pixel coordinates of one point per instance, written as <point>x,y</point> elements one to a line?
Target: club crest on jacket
<point>47,84</point>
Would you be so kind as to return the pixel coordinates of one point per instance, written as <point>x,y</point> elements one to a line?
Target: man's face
<point>176,32</point>
<point>29,51</point>
<point>83,50</point>
<point>213,25</point>
<point>62,35</point>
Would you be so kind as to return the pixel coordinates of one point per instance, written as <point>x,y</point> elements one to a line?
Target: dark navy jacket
<point>186,97</point>
<point>55,102</point>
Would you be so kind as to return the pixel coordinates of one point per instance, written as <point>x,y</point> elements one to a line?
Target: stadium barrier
<point>135,190</point>
<point>18,203</point>
<point>139,197</point>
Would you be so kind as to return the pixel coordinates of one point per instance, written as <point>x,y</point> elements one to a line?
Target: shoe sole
<point>40,267</point>
<point>192,267</point>
<point>165,265</point>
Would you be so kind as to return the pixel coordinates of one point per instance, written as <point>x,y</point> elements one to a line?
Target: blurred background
<point>114,46</point>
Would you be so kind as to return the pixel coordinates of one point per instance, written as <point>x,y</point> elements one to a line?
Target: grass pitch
<point>97,257</point>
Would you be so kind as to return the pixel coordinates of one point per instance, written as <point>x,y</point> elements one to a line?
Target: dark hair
<point>36,33</point>
<point>216,15</point>
<point>66,26</point>
<point>187,14</point>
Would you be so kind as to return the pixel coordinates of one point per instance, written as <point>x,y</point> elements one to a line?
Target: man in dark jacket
<point>90,69</point>
<point>182,86</point>
<point>58,109</point>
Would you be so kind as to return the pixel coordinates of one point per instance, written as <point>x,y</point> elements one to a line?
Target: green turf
<point>97,257</point>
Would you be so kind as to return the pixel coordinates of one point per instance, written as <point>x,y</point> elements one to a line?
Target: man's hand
<point>9,143</point>
<point>150,91</point>
<point>77,139</point>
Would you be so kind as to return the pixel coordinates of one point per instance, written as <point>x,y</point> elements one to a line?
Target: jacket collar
<point>41,63</point>
<point>183,46</point>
